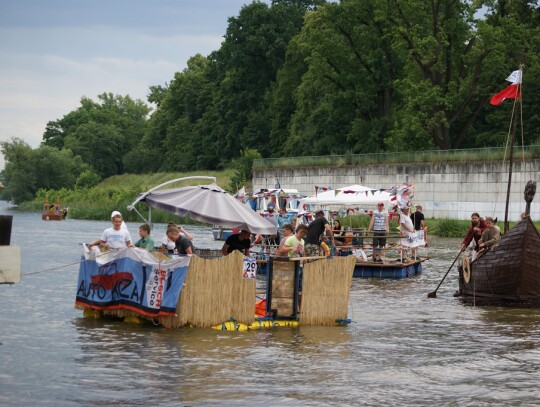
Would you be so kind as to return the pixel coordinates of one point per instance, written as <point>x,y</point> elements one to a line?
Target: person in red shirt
<point>475,231</point>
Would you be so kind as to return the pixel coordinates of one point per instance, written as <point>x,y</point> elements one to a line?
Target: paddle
<point>434,293</point>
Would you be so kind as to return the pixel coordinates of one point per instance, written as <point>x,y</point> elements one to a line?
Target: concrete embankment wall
<point>445,190</point>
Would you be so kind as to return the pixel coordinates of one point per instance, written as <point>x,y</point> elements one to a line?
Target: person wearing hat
<point>380,226</point>
<point>114,237</point>
<point>116,213</point>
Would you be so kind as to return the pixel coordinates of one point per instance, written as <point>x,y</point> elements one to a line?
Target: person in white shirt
<point>407,228</point>
<point>115,237</point>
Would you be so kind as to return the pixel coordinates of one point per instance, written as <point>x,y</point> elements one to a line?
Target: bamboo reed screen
<point>325,290</point>
<point>213,292</point>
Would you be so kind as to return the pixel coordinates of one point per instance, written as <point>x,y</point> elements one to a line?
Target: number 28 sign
<point>250,267</point>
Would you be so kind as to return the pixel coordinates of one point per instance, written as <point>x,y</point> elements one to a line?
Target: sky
<point>53,52</point>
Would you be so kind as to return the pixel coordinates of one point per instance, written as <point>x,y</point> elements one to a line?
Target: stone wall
<point>445,190</point>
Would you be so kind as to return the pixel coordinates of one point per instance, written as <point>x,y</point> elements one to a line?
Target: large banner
<point>415,239</point>
<point>130,279</point>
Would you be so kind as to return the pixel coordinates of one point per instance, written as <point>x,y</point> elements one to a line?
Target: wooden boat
<point>509,272</point>
<point>53,212</point>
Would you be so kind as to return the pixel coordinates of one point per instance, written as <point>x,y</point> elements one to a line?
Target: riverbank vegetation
<point>305,78</point>
<point>116,193</point>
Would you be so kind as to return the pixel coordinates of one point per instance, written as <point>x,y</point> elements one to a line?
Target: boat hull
<point>388,270</point>
<point>509,273</point>
<point>53,217</point>
<point>222,234</point>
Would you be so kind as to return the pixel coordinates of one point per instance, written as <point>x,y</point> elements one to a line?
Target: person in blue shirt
<point>283,219</point>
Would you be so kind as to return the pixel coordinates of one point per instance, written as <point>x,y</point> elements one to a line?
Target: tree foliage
<point>27,170</point>
<point>301,77</point>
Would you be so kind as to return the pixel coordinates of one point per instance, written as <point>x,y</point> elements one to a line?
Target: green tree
<point>87,179</point>
<point>119,117</point>
<point>345,98</point>
<point>19,172</point>
<point>27,170</point>
<point>243,168</point>
<point>454,62</point>
<point>101,146</point>
<point>246,66</point>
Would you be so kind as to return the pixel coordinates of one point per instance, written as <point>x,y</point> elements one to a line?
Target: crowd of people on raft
<point>177,240</point>
<point>300,240</point>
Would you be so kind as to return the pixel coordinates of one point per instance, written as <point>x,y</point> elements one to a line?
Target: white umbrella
<point>209,204</point>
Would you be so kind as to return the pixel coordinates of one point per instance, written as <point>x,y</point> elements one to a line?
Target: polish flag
<point>511,92</point>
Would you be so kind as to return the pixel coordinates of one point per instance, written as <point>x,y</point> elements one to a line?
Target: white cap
<point>115,213</point>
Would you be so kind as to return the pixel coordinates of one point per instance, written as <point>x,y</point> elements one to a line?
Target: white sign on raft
<point>250,267</point>
<point>415,239</point>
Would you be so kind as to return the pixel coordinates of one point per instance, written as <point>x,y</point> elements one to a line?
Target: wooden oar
<point>434,293</point>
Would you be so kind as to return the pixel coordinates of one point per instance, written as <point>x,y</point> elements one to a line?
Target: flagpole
<point>511,159</point>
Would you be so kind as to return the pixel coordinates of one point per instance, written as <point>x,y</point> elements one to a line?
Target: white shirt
<point>407,221</point>
<point>169,243</point>
<point>117,239</point>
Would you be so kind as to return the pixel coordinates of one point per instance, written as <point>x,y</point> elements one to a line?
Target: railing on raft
<point>354,240</point>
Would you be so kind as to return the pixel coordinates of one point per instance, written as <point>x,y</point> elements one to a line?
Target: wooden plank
<point>283,289</point>
<point>283,306</point>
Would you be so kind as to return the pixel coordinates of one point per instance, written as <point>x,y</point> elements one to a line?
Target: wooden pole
<point>510,164</point>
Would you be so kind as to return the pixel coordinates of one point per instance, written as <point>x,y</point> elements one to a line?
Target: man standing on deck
<point>315,232</point>
<point>417,218</point>
<point>380,226</point>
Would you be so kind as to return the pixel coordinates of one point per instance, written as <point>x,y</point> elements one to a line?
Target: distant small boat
<point>220,233</point>
<point>53,212</point>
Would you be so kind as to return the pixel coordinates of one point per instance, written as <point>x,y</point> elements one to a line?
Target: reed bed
<point>214,291</point>
<point>325,290</point>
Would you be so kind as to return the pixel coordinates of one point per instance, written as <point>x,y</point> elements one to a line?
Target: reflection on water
<point>401,348</point>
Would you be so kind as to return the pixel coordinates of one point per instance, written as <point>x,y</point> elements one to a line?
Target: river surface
<point>401,348</point>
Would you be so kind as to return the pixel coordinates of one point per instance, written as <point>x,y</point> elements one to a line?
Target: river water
<point>401,348</point>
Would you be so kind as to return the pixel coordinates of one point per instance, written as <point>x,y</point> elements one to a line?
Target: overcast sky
<point>53,52</point>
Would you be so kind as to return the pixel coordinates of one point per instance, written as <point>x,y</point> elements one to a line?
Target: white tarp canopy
<point>350,196</point>
<point>209,204</point>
